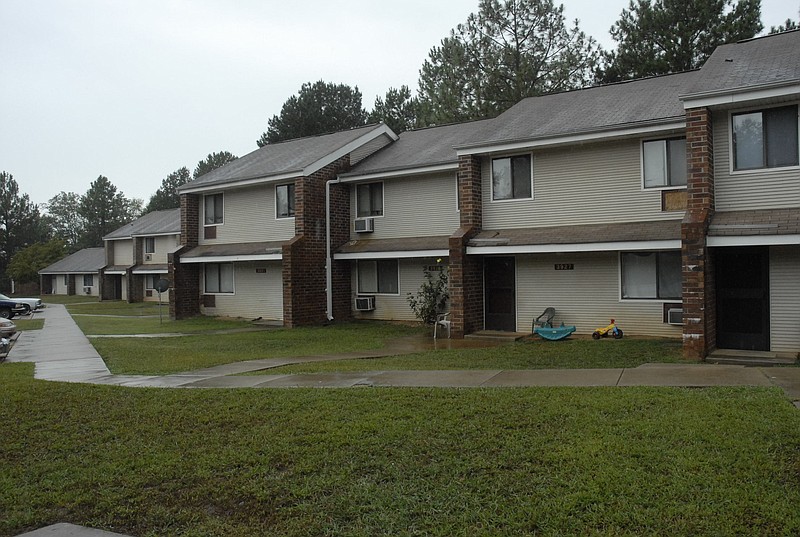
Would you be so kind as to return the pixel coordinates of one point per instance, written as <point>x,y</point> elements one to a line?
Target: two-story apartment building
<point>671,204</point>
<point>254,231</point>
<point>741,233</point>
<point>136,256</point>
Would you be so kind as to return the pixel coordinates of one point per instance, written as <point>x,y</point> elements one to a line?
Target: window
<point>284,195</point>
<point>219,278</point>
<point>150,281</point>
<point>765,139</point>
<point>655,275</point>
<point>213,209</point>
<point>149,245</point>
<point>369,200</point>
<point>664,163</point>
<point>66,279</point>
<point>511,178</point>
<point>88,280</point>
<point>378,276</point>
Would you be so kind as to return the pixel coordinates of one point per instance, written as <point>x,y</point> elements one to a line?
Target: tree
<point>26,263</point>
<point>502,54</point>
<point>104,210</point>
<point>20,223</point>
<point>318,108</point>
<point>785,27</point>
<point>212,162</point>
<point>65,221</point>
<point>670,36</point>
<point>166,197</point>
<point>397,109</point>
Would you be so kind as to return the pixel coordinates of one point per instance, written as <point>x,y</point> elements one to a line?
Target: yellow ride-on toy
<point>611,330</point>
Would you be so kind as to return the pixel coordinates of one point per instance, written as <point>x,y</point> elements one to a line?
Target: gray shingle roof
<point>83,261</point>
<point>764,61</point>
<point>396,245</point>
<point>420,148</point>
<point>152,223</point>
<point>236,249</point>
<point>756,222</point>
<point>615,106</point>
<point>291,156</point>
<point>581,234</point>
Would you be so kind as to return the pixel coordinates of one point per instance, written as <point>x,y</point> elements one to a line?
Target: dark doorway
<point>742,284</point>
<point>117,287</point>
<point>499,284</point>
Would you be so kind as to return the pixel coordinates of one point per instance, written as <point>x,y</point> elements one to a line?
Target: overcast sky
<point>135,89</point>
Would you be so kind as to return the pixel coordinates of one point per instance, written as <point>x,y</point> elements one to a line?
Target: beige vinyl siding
<point>249,216</point>
<point>775,188</point>
<point>124,287</point>
<point>164,244</point>
<point>255,294</point>
<point>59,288</point>
<point>369,148</point>
<point>417,206</point>
<point>784,275</point>
<point>587,297</point>
<point>585,184</point>
<point>395,307</point>
<point>123,253</point>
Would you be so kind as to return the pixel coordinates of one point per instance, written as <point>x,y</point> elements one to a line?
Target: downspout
<point>329,257</point>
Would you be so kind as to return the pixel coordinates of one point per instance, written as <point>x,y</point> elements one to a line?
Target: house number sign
<point>261,271</point>
<point>565,266</point>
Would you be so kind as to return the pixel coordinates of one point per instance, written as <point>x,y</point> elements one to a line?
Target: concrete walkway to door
<point>62,353</point>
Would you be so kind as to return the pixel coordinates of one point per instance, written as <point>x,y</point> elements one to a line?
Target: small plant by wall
<point>432,296</point>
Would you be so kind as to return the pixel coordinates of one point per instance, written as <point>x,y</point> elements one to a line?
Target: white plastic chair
<point>442,320</point>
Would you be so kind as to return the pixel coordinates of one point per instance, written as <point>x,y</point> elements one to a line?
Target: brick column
<point>699,299</point>
<point>466,273</point>
<point>184,300</point>
<point>340,234</point>
<point>304,299</point>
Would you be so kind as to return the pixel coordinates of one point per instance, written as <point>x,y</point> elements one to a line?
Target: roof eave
<point>740,94</point>
<point>606,133</point>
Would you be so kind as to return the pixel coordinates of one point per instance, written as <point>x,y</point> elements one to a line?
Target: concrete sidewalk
<point>62,353</point>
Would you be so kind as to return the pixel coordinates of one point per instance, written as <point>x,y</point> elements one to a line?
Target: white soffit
<point>753,240</point>
<point>392,255</point>
<point>232,258</point>
<point>582,247</point>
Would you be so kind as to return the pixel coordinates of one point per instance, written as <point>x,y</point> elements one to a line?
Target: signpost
<point>162,285</point>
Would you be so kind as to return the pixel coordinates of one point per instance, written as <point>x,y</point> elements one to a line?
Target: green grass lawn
<point>99,325</point>
<point>28,324</point>
<point>160,356</point>
<point>365,462</point>
<point>117,307</point>
<point>532,354</point>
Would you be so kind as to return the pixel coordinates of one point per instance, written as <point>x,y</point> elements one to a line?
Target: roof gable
<point>152,223</point>
<point>292,158</point>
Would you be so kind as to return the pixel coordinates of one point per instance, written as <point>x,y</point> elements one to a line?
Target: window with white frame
<point>66,279</point>
<point>664,162</point>
<point>150,245</point>
<point>512,178</point>
<point>88,280</point>
<point>369,200</point>
<point>653,275</point>
<point>379,276</point>
<point>284,201</point>
<point>765,138</point>
<point>150,281</point>
<point>213,213</point>
<point>218,278</point>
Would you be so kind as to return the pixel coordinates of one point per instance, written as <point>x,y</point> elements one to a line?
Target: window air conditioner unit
<point>87,290</point>
<point>148,257</point>
<point>675,316</point>
<point>365,225</point>
<point>365,303</point>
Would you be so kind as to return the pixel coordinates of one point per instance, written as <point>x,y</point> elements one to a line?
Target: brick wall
<point>699,300</point>
<point>304,256</point>
<point>340,234</point>
<point>466,273</point>
<point>184,300</point>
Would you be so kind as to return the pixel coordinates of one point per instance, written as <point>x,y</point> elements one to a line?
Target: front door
<point>742,283</point>
<point>499,285</point>
<point>117,287</point>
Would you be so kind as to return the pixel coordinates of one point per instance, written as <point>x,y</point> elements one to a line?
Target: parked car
<point>10,308</point>
<point>32,303</point>
<point>7,328</point>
